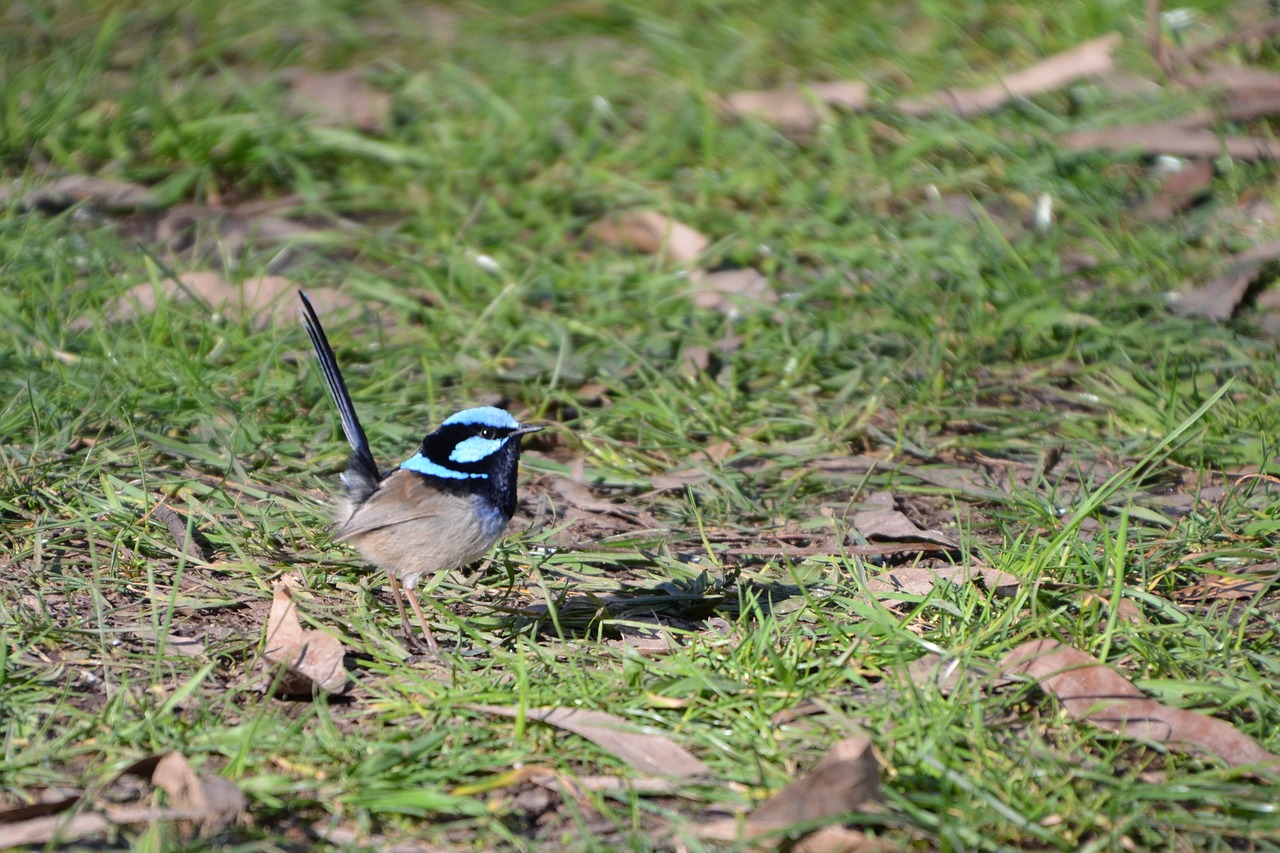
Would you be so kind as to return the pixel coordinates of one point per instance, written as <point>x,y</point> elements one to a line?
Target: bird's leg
<point>409,637</point>
<point>422,620</point>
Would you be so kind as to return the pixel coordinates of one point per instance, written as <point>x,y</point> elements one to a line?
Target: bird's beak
<point>525,429</point>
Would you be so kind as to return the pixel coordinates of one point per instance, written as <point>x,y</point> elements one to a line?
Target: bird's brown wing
<point>403,496</point>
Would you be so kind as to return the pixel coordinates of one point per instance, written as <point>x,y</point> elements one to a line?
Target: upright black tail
<point>362,471</point>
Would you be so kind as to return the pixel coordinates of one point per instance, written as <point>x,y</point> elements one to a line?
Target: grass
<point>927,339</point>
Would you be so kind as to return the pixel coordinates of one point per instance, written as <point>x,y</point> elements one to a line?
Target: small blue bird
<point>443,508</point>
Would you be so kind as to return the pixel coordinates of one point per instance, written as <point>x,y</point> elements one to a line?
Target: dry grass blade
<point>1097,694</point>
<point>1091,59</point>
<point>653,754</point>
<point>312,656</point>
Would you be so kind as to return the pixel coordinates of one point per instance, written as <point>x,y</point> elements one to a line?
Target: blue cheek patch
<point>475,448</point>
<point>423,465</point>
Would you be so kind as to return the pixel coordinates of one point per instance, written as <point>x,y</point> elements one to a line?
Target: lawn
<point>874,449</point>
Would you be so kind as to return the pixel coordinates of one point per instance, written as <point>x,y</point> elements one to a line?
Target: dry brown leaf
<point>653,754</point>
<point>1091,59</point>
<point>1126,609</point>
<point>1093,692</point>
<point>313,656</point>
<point>1233,587</point>
<point>840,839</point>
<point>847,779</point>
<point>1172,138</point>
<point>211,800</point>
<point>892,524</point>
<point>579,496</point>
<point>1243,93</point>
<point>339,99</point>
<point>60,828</point>
<point>1219,298</point>
<point>185,646</point>
<point>797,109</point>
<point>652,233</point>
<point>646,643</point>
<point>946,674</point>
<point>1178,191</point>
<point>105,193</point>
<point>677,480</point>
<point>918,580</point>
<point>731,291</point>
<point>265,299</point>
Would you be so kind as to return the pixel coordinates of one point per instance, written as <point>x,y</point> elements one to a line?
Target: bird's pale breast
<point>408,528</point>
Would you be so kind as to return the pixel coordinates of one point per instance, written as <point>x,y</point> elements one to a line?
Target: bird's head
<point>478,448</point>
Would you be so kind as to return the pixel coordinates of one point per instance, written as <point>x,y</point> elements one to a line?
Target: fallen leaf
<point>1243,93</point>
<point>211,800</point>
<point>645,642</point>
<point>338,99</point>
<point>1218,298</point>
<point>846,780</point>
<point>946,674</point>
<point>1125,608</point>
<point>313,656</point>
<point>796,109</point>
<point>652,233</point>
<point>351,838</point>
<point>889,523</point>
<point>189,234</point>
<point>1172,138</point>
<point>1091,59</point>
<point>1178,191</point>
<point>579,495</point>
<point>185,646</point>
<point>653,754</point>
<point>62,829</point>
<point>264,299</point>
<point>677,480</point>
<point>59,194</point>
<point>918,580</point>
<point>841,839</point>
<point>1095,693</point>
<point>731,291</point>
<point>1232,587</point>
<point>1259,30</point>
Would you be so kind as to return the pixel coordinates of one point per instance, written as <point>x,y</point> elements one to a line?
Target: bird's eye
<point>488,432</point>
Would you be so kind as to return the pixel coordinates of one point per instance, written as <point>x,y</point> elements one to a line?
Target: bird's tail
<point>362,471</point>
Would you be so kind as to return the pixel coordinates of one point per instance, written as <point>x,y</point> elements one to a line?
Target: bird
<point>443,508</point>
